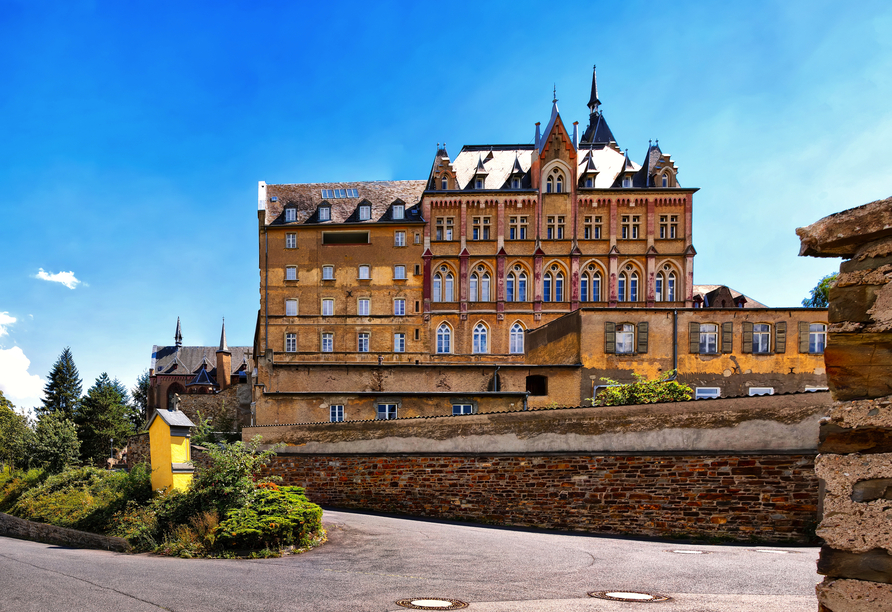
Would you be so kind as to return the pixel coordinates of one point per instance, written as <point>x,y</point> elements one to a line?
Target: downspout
<point>496,383</point>
<point>674,344</point>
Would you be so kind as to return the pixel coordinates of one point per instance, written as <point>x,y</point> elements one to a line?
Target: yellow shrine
<point>169,433</point>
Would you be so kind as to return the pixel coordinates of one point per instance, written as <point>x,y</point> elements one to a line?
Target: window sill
<point>400,280</point>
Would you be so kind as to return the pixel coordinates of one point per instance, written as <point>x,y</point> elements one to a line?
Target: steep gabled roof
<point>306,198</point>
<point>505,161</point>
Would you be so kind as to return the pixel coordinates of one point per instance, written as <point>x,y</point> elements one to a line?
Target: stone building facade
<point>377,296</point>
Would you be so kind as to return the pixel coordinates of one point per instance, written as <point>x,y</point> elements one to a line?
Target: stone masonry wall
<point>855,464</point>
<point>14,527</point>
<point>138,450</point>
<point>218,407</point>
<point>766,497</point>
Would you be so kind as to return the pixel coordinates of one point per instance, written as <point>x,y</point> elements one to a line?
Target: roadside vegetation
<point>643,391</point>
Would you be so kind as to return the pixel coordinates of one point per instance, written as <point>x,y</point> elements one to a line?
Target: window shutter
<point>727,337</point>
<point>609,337</point>
<point>803,336</point>
<point>780,337</point>
<point>694,336</point>
<point>747,337</point>
<point>642,337</point>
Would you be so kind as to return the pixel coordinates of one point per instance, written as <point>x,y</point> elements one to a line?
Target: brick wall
<point>770,497</point>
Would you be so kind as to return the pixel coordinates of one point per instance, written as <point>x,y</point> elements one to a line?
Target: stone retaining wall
<point>772,497</point>
<point>14,527</point>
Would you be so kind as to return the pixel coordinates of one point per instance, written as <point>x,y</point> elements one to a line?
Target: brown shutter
<point>747,337</point>
<point>609,337</point>
<point>642,337</point>
<point>694,336</point>
<point>727,337</point>
<point>803,336</point>
<point>780,337</point>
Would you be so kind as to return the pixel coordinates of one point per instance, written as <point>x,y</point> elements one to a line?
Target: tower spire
<point>223,347</point>
<point>178,336</point>
<point>594,103</point>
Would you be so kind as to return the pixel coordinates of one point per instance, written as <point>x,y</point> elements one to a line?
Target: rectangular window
<point>352,193</point>
<point>345,237</point>
<point>362,342</point>
<point>290,241</point>
<point>444,228</point>
<point>625,339</point>
<point>417,238</point>
<point>365,212</point>
<point>386,412</point>
<point>417,334</point>
<point>337,414</point>
<point>291,273</point>
<point>327,307</point>
<point>399,308</point>
<point>462,409</point>
<point>290,343</point>
<point>631,225</point>
<point>290,308</point>
<point>325,213</point>
<point>417,269</point>
<point>327,272</point>
<point>364,273</point>
<point>555,228</point>
<point>707,392</point>
<point>517,228</point>
<point>399,239</point>
<point>761,338</point>
<point>709,339</point>
<point>673,226</point>
<point>761,390</point>
<point>480,228</point>
<point>399,211</point>
<point>290,215</point>
<point>363,307</point>
<point>327,342</point>
<point>399,343</point>
<point>399,272</point>
<point>817,338</point>
<point>668,226</point>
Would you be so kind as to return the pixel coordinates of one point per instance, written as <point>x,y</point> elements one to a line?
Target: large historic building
<point>410,297</point>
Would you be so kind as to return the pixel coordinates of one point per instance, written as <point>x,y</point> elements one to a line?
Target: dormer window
<point>365,212</point>
<point>589,182</point>
<point>324,213</point>
<point>627,181</point>
<point>515,183</point>
<point>478,183</point>
<point>665,180</point>
<point>290,215</point>
<point>399,211</point>
<point>444,182</point>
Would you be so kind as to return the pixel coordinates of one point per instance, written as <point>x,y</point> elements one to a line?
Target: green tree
<point>103,417</point>
<point>63,390</point>
<point>15,434</point>
<point>818,297</point>
<point>54,445</point>
<point>139,402</point>
<point>643,391</point>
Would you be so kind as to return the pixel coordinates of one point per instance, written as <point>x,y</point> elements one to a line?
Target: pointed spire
<point>555,94</point>
<point>516,169</point>
<point>178,337</point>
<point>223,347</point>
<point>481,169</point>
<point>594,103</point>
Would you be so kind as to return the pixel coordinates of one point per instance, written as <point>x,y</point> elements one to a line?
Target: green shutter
<point>747,337</point>
<point>642,337</point>
<point>694,336</point>
<point>780,337</point>
<point>727,337</point>
<point>609,337</point>
<point>803,336</point>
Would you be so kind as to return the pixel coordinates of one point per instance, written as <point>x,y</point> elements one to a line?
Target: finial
<point>178,336</point>
<point>223,346</point>
<point>658,142</point>
<point>555,94</point>
<point>650,142</point>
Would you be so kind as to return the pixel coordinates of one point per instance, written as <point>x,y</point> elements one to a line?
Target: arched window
<point>590,285</point>
<point>472,287</point>
<point>447,287</point>
<point>515,343</point>
<point>558,287</point>
<point>444,339</point>
<point>546,287</point>
<point>522,287</point>
<point>621,287</point>
<point>559,184</point>
<point>480,345</point>
<point>444,182</point>
<point>670,287</point>
<point>442,286</point>
<point>583,288</point>
<point>658,287</point>
<point>596,287</point>
<point>438,288</point>
<point>555,182</point>
<point>479,285</point>
<point>589,182</point>
<point>510,286</point>
<point>633,287</point>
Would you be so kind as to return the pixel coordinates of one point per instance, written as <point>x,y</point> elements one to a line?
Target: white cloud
<point>21,388</point>
<point>66,278</point>
<point>5,321</point>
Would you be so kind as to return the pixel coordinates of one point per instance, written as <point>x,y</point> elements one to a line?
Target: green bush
<point>273,517</point>
<point>13,483</point>
<point>643,391</point>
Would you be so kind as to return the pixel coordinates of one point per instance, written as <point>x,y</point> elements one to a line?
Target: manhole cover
<point>682,551</point>
<point>431,603</point>
<point>629,596</point>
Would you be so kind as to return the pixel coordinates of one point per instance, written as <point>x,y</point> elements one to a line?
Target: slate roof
<point>703,290</point>
<point>187,360</point>
<point>174,418</point>
<point>306,198</point>
<point>498,169</point>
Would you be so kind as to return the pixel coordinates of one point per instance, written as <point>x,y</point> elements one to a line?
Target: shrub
<point>274,517</point>
<point>643,391</point>
<point>13,483</point>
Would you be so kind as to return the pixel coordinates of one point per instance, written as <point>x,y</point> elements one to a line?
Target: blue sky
<point>134,134</point>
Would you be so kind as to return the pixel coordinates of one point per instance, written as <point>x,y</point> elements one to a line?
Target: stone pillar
<point>855,464</point>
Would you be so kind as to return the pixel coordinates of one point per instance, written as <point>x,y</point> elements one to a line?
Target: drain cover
<point>431,603</point>
<point>629,596</point>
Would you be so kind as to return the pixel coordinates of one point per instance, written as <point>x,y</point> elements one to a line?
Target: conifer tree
<point>15,434</point>
<point>103,419</point>
<point>54,445</point>
<point>63,390</point>
<point>140,402</point>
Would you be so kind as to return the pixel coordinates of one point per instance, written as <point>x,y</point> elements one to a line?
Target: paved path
<point>372,561</point>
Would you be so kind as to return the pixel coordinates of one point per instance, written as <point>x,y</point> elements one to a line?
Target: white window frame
<point>386,411</point>
<point>817,333</point>
<point>399,342</point>
<point>290,215</point>
<point>399,307</point>
<point>399,211</point>
<point>399,272</point>
<point>444,339</point>
<point>336,413</point>
<point>480,337</point>
<point>767,339</point>
<point>515,339</point>
<point>290,273</point>
<point>705,335</point>
<point>325,213</point>
<point>707,392</point>
<point>459,408</point>
<point>625,339</point>
<point>363,340</point>
<point>364,272</point>
<point>290,240</point>
<point>328,305</point>
<point>363,307</point>
<point>327,342</point>
<point>328,273</point>
<point>290,342</point>
<point>365,212</point>
<point>760,391</point>
<point>399,239</point>
<point>290,308</point>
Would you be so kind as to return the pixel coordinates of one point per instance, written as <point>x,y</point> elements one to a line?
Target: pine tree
<point>63,390</point>
<point>54,445</point>
<point>103,419</point>
<point>140,401</point>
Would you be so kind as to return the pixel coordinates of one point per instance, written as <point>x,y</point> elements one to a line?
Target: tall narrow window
<point>447,287</point>
<point>362,342</point>
<point>559,287</point>
<point>472,287</point>
<point>399,308</point>
<point>515,344</point>
<point>327,272</point>
<point>399,343</point>
<point>291,273</point>
<point>365,212</point>
<point>817,337</point>
<point>559,184</point>
<point>399,211</point>
<point>510,284</point>
<point>399,239</point>
<point>290,308</point>
<point>290,241</point>
<point>625,339</point>
<point>658,287</point>
<point>444,228</point>
<point>761,338</point>
<point>327,342</point>
<point>290,215</point>
<point>444,182</point>
<point>621,288</point>
<point>546,287</point>
<point>633,287</point>
<point>438,288</point>
<point>324,213</point>
<point>362,308</point>
<point>665,180</point>
<point>290,343</point>
<point>522,287</point>
<point>583,288</point>
<point>327,307</point>
<point>480,345</point>
<point>709,338</point>
<point>670,287</point>
<point>444,339</point>
<point>364,273</point>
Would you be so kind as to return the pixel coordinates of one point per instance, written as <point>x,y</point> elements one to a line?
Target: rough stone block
<point>875,412</point>
<point>871,490</point>
<point>836,595</point>
<point>851,303</point>
<point>873,565</point>
<point>858,365</point>
<point>867,440</point>
<point>868,263</point>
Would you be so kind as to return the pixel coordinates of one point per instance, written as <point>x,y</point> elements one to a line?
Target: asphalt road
<point>370,562</point>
